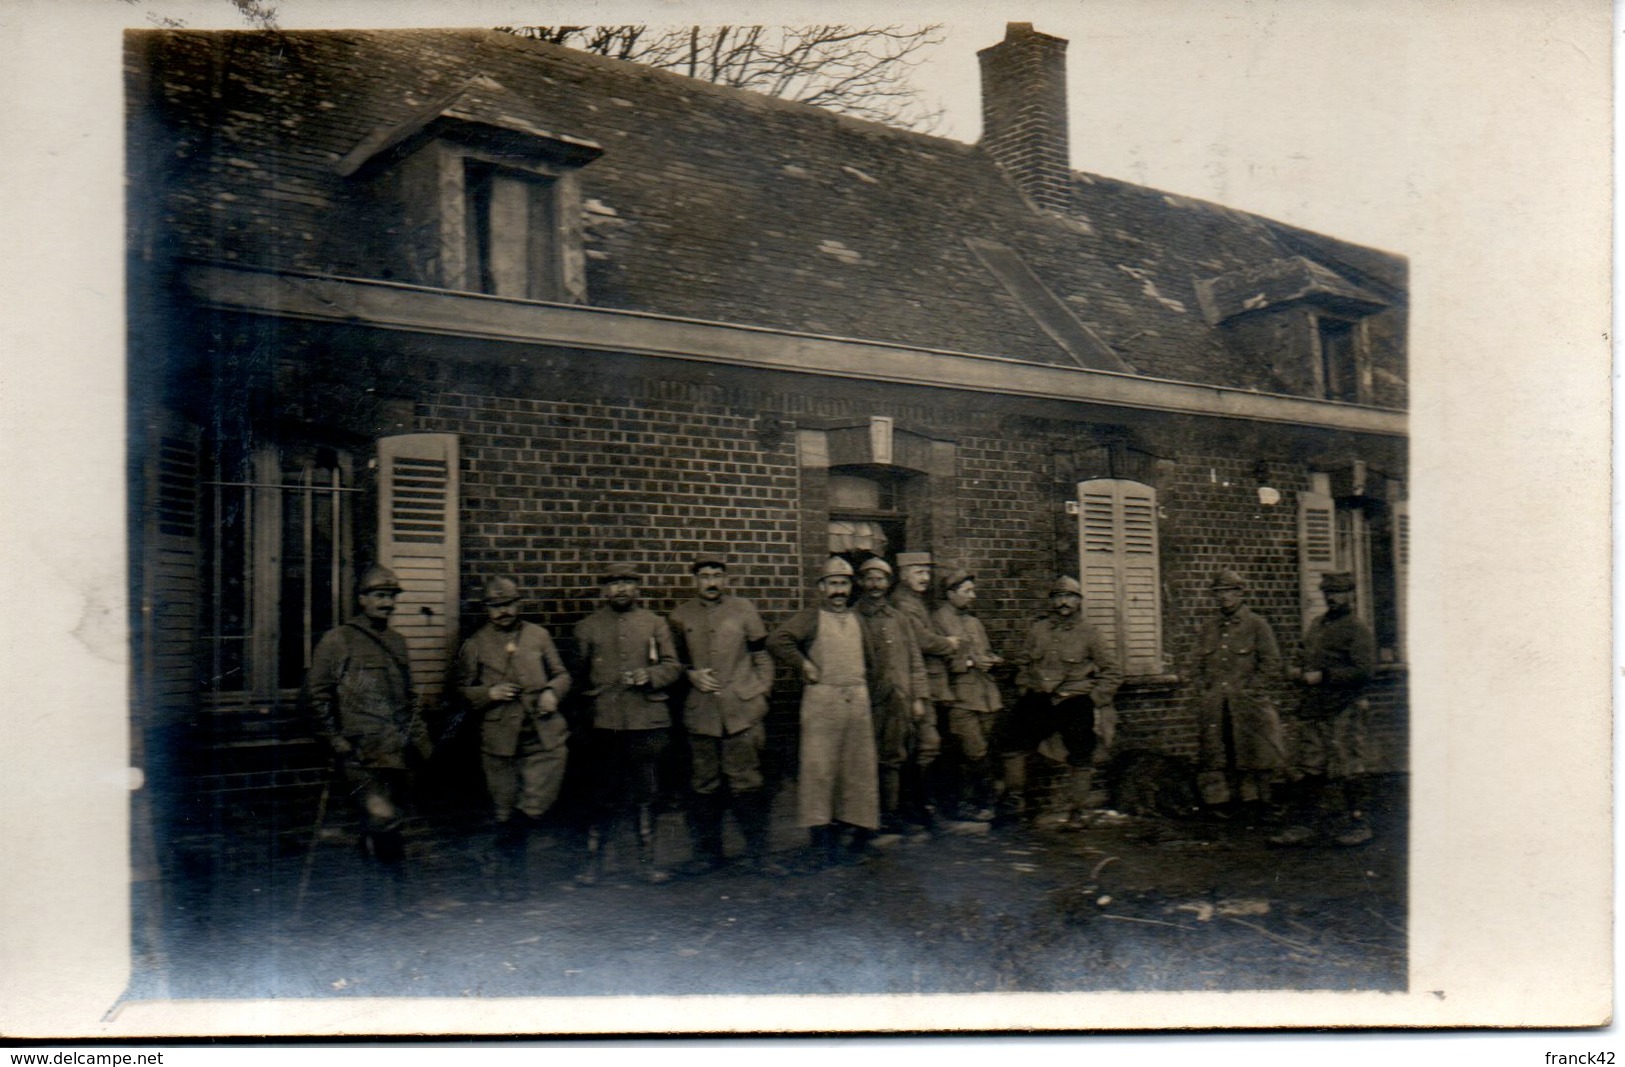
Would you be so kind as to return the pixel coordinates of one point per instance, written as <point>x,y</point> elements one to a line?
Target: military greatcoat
<point>1236,658</point>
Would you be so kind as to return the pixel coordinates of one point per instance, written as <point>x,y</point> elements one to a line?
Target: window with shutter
<point>417,538</point>
<point>1401,533</point>
<point>171,582</point>
<point>1317,550</point>
<point>1120,569</point>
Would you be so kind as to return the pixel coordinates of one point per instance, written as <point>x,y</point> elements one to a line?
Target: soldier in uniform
<point>511,676</point>
<point>627,654</point>
<point>722,645</point>
<point>899,694</point>
<point>973,715</point>
<point>826,646</point>
<point>920,782</point>
<point>1067,672</point>
<point>1239,744</point>
<point>1339,658</point>
<point>359,693</point>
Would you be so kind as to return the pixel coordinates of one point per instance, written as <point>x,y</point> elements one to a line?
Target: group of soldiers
<point>885,674</point>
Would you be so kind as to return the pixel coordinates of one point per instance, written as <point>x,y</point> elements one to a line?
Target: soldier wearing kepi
<point>825,645</point>
<point>511,676</point>
<point>1067,672</point>
<point>359,692</point>
<point>1239,744</point>
<point>920,787</point>
<point>627,653</point>
<point>1339,658</point>
<point>722,645</point>
<point>973,716</point>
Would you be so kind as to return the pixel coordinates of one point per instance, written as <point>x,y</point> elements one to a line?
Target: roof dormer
<point>1306,320</point>
<point>472,192</point>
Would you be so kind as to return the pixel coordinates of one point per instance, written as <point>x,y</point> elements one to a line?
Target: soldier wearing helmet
<point>828,647</point>
<point>359,693</point>
<point>921,784</point>
<point>510,675</point>
<point>977,708</point>
<point>899,699</point>
<point>1068,672</point>
<point>1239,743</point>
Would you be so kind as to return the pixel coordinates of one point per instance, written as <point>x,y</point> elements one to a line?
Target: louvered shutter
<point>170,607</point>
<point>1120,570</point>
<point>1317,550</point>
<point>1402,570</point>
<point>171,566</point>
<point>418,539</point>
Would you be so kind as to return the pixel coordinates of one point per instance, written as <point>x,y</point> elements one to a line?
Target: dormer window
<point>513,240</point>
<point>1338,341</point>
<point>471,193</point>
<point>1307,320</point>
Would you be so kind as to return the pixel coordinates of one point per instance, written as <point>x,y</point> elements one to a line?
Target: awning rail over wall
<point>392,306</point>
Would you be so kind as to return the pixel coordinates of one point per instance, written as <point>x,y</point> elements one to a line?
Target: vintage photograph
<point>876,563</point>
<point>663,510</point>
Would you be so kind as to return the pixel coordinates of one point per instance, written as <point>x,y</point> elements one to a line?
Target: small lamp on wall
<point>1268,495</point>
<point>769,432</point>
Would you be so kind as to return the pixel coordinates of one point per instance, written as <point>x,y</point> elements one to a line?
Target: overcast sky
<point>1214,102</point>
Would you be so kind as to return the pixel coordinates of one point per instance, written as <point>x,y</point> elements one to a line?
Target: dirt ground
<point>1135,903</point>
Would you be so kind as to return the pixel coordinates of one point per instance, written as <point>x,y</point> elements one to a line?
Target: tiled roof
<point>477,102</point>
<point>1277,282</point>
<point>707,202</point>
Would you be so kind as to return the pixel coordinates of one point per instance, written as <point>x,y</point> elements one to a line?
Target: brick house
<point>467,303</point>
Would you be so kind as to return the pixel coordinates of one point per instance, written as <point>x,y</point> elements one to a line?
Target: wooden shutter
<point>170,607</point>
<point>1402,571</point>
<point>1120,570</point>
<point>1317,550</point>
<point>171,561</point>
<point>418,539</point>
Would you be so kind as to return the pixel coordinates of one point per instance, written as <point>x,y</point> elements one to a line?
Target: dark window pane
<point>1338,360</point>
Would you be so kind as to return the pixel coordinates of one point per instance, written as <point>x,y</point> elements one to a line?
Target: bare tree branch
<point>857,70</point>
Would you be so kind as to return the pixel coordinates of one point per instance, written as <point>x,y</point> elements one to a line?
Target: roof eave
<point>394,306</point>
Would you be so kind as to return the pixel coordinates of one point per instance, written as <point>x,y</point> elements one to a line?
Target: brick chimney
<point>1024,112</point>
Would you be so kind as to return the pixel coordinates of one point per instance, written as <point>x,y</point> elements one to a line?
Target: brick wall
<point>657,470</point>
<point>554,489</point>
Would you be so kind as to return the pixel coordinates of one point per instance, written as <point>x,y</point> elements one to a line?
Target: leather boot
<point>650,873</point>
<point>977,794</point>
<point>754,811</point>
<point>1353,828</point>
<point>705,812</point>
<point>918,801</point>
<point>856,849</point>
<point>1013,802</point>
<point>822,843</point>
<point>1306,814</point>
<point>1080,785</point>
<point>385,891</point>
<point>593,872</point>
<point>891,792</point>
<point>511,847</point>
